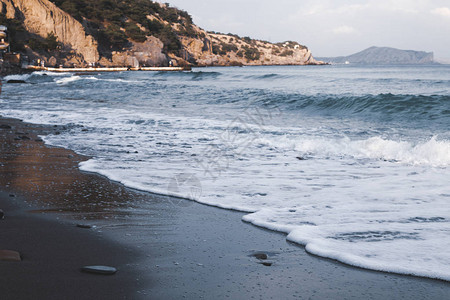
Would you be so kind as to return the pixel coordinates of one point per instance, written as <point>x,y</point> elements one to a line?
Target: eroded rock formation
<point>198,47</point>
<point>42,17</point>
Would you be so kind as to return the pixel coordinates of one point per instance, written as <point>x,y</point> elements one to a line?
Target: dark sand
<point>164,248</point>
<point>52,251</point>
<point>52,255</point>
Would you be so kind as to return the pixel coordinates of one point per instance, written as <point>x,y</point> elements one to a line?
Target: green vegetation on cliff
<point>15,29</point>
<point>130,32</point>
<point>115,22</point>
<point>18,35</point>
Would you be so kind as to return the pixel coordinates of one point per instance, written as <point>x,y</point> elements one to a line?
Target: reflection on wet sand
<point>49,176</point>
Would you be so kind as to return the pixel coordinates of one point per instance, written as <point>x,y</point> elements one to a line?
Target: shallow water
<point>352,162</point>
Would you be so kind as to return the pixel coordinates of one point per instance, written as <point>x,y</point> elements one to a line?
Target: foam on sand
<point>366,192</point>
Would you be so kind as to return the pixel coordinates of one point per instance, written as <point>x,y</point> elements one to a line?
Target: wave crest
<point>434,152</point>
<point>381,106</point>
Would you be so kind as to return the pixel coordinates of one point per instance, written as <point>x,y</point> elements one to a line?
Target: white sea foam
<point>48,73</point>
<point>432,152</point>
<point>379,201</point>
<point>17,77</point>
<point>66,80</point>
<point>363,214</point>
<point>74,78</point>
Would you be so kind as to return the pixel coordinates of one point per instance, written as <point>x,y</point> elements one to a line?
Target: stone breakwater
<point>111,69</point>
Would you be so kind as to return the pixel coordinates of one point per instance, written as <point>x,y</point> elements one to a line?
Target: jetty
<point>108,69</point>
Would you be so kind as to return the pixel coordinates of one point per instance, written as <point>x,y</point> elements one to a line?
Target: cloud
<point>329,27</point>
<point>320,9</point>
<point>442,11</point>
<point>344,30</point>
<point>323,7</point>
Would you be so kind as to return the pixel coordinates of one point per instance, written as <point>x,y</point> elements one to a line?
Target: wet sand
<point>52,254</point>
<point>164,248</point>
<point>52,250</point>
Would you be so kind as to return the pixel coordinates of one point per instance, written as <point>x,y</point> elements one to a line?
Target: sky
<point>331,28</point>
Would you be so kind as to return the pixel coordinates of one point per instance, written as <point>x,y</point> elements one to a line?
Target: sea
<point>353,162</point>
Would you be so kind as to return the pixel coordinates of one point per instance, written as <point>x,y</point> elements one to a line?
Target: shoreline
<point>174,246</point>
<point>31,69</point>
<point>53,250</point>
<point>108,69</point>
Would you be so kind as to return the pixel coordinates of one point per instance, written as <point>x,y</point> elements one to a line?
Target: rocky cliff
<point>383,56</point>
<point>135,32</point>
<point>42,17</point>
<point>227,49</point>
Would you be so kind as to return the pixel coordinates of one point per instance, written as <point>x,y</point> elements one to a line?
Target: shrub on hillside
<point>215,49</point>
<point>15,33</point>
<point>51,42</point>
<point>252,54</point>
<point>247,39</point>
<point>171,42</point>
<point>188,30</point>
<point>154,26</point>
<point>135,33</point>
<point>229,47</point>
<point>287,53</point>
<point>113,37</point>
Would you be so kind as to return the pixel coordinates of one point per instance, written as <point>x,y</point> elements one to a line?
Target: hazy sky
<point>331,28</point>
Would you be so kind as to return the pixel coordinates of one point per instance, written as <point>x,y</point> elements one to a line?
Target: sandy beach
<point>187,250</point>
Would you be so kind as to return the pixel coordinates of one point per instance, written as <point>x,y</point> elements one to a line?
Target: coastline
<point>108,69</point>
<point>18,70</point>
<point>172,256</point>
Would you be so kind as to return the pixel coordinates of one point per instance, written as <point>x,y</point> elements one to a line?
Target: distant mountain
<point>383,56</point>
<point>443,61</point>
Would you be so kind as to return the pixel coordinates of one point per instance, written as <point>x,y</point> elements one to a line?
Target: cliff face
<point>42,17</point>
<point>152,38</point>
<point>8,9</point>
<point>148,53</point>
<point>223,50</point>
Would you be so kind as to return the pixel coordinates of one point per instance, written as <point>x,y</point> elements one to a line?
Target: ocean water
<point>352,162</point>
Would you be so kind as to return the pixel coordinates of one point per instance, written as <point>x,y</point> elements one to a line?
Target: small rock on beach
<point>84,226</point>
<point>103,270</point>
<point>16,81</point>
<point>260,255</point>
<point>9,255</point>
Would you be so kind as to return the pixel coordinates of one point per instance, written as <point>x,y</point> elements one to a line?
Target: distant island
<point>383,56</point>
<point>130,33</point>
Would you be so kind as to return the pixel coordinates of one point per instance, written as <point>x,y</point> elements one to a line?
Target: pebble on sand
<point>84,226</point>
<point>9,255</point>
<point>15,81</point>
<point>260,255</point>
<point>104,270</point>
